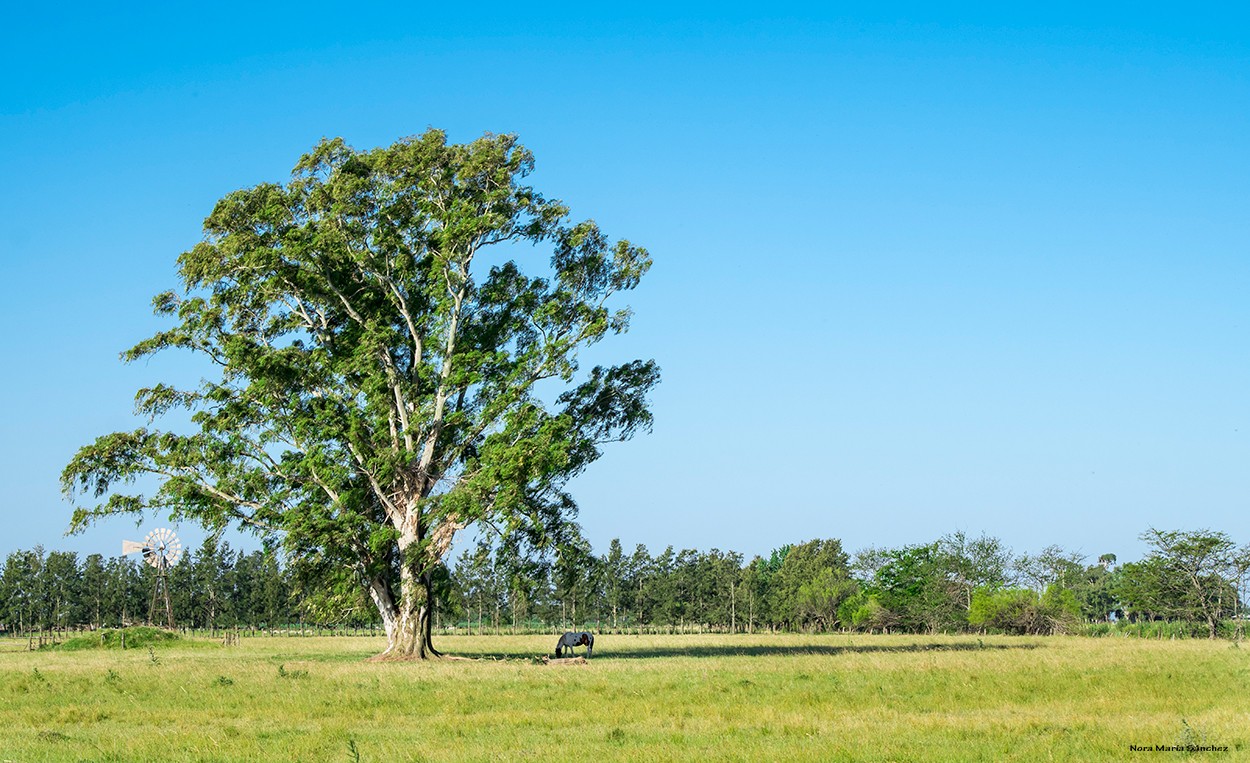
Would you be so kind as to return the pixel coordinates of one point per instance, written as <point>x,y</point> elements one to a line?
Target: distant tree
<point>759,579</point>
<point>573,574</point>
<point>640,574</point>
<point>1095,595</point>
<point>251,599</point>
<point>38,605</point>
<point>275,591</point>
<point>1147,590</point>
<point>17,590</point>
<point>690,587</point>
<point>521,572</point>
<point>1188,575</point>
<point>1051,565</point>
<point>616,570</point>
<point>476,571</point>
<point>723,573</point>
<point>661,601</point>
<point>868,560</point>
<point>185,594</point>
<point>62,588</point>
<point>810,584</point>
<point>122,595</point>
<point>973,563</point>
<point>211,564</point>
<point>448,604</point>
<point>917,590</point>
<point>94,590</point>
<point>1240,568</point>
<point>240,581</point>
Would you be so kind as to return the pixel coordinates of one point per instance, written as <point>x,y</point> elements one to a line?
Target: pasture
<point>717,697</point>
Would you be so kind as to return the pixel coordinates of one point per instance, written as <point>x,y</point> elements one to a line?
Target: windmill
<point>161,549</point>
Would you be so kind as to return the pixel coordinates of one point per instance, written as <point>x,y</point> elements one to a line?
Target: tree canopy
<point>382,385</point>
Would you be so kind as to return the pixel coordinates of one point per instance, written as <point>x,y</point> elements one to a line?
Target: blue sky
<point>915,271</point>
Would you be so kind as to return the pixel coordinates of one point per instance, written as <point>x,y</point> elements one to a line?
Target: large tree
<point>388,376</point>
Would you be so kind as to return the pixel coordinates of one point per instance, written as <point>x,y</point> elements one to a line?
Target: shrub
<point>136,637</point>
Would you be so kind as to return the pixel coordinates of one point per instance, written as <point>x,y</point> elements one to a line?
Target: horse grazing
<point>571,639</point>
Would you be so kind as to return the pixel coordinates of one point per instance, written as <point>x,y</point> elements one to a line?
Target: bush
<point>136,637</point>
<point>1009,610</point>
<point>1021,611</point>
<point>864,612</point>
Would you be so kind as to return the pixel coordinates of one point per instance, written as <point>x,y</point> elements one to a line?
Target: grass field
<point>642,698</point>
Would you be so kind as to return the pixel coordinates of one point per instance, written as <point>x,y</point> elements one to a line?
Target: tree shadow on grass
<point>605,651</point>
<point>797,650</point>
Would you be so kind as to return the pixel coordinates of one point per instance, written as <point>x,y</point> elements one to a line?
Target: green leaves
<point>376,391</point>
<point>1188,575</point>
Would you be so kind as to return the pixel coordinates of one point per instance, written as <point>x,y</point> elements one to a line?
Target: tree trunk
<point>408,622</point>
<point>427,617</point>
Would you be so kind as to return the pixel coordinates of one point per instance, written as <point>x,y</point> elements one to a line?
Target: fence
<point>13,641</point>
<point>16,641</point>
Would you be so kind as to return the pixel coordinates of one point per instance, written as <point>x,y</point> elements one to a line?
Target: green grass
<point>642,698</point>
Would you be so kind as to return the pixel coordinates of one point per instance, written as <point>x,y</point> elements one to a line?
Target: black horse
<point>571,639</point>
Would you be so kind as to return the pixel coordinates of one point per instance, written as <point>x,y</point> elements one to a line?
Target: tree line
<point>1195,581</point>
<point>214,587</point>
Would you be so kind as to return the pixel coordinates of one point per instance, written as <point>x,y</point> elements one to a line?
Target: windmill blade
<point>161,547</point>
<point>171,547</point>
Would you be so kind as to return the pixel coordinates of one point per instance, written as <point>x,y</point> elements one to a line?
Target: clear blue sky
<point>915,271</point>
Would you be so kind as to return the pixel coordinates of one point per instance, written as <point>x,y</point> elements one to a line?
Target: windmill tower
<point>161,550</point>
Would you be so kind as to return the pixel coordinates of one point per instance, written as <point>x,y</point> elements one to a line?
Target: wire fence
<point>19,641</point>
<point>15,641</point>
